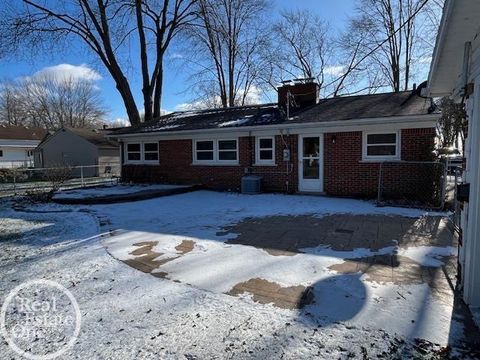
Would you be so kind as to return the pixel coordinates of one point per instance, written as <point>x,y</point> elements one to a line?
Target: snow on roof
<point>406,103</point>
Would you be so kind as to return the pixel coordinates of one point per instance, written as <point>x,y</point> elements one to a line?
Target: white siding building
<point>17,144</point>
<point>455,72</point>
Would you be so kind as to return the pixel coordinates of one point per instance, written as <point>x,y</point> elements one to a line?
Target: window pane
<point>382,150</point>
<point>133,147</point>
<point>382,138</point>
<point>266,155</point>
<point>133,156</point>
<point>227,155</point>
<point>204,145</point>
<point>151,156</point>
<point>227,145</point>
<point>151,147</point>
<point>266,143</point>
<point>205,155</point>
<point>311,169</point>
<point>311,147</point>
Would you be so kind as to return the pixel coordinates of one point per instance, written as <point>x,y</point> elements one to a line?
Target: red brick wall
<point>344,172</point>
<point>176,157</point>
<point>418,144</point>
<point>346,175</point>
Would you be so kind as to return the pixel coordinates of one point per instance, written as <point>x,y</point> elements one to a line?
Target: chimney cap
<point>304,80</point>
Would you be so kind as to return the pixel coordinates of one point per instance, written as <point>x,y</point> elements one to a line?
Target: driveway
<point>329,260</point>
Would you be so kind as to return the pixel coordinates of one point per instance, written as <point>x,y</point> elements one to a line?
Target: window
<point>265,150</point>
<point>1,153</point>
<point>134,152</point>
<point>216,151</point>
<point>379,146</point>
<point>204,151</point>
<point>150,151</point>
<point>142,152</point>
<point>227,150</point>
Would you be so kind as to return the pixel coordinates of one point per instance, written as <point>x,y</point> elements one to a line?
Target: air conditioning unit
<point>251,184</point>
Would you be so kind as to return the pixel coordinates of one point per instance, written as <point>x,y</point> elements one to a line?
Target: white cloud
<point>176,56</point>
<point>68,71</point>
<point>335,70</point>
<point>194,105</point>
<point>425,60</point>
<point>253,97</point>
<point>119,122</point>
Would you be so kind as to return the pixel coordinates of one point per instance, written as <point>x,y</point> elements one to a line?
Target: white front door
<point>310,155</point>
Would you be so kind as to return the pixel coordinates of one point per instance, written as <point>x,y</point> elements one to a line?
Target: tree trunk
<point>157,99</point>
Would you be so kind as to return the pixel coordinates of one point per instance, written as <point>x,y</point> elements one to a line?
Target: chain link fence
<point>412,184</point>
<point>21,181</point>
<point>455,180</point>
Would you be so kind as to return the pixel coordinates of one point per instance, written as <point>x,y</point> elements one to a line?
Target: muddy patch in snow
<point>289,235</point>
<point>147,260</point>
<point>267,292</point>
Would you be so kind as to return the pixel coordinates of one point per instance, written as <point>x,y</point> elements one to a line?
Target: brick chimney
<point>303,93</point>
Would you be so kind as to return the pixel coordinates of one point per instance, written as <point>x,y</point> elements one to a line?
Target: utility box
<point>251,184</point>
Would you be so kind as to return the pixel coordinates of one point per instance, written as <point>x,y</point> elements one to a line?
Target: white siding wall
<point>15,157</point>
<point>65,147</point>
<point>470,251</point>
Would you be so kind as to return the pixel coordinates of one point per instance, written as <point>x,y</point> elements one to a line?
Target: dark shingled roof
<point>96,137</point>
<point>331,109</point>
<point>21,133</point>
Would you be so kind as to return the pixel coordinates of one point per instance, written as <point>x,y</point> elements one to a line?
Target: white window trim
<point>375,158</point>
<point>195,160</point>
<point>216,161</point>
<point>258,161</point>
<point>142,153</point>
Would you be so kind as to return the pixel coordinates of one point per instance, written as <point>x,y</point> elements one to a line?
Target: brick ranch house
<point>333,146</point>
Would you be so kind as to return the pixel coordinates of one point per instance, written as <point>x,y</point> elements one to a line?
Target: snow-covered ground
<point>129,314</point>
<point>118,189</point>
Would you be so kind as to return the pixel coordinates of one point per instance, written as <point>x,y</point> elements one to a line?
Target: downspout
<point>250,148</point>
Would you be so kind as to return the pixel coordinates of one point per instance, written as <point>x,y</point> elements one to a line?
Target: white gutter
<point>433,118</point>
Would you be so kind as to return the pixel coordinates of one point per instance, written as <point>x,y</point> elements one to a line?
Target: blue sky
<point>335,12</point>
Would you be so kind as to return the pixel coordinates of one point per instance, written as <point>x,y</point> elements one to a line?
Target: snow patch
<point>238,122</point>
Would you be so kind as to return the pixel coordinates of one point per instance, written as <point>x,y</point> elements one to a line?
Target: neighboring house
<point>78,147</point>
<point>455,72</point>
<point>333,146</point>
<point>17,144</point>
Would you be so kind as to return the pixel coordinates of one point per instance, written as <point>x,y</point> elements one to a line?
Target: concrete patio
<point>329,260</point>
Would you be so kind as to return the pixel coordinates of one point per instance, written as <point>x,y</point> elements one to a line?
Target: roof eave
<point>439,45</point>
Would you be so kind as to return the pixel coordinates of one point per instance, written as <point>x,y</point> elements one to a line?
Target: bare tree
<point>105,27</point>
<point>11,111</point>
<point>389,35</point>
<point>51,102</point>
<point>227,39</point>
<point>302,47</point>
<point>452,125</point>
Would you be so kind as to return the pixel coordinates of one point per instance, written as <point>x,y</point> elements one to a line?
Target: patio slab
<point>289,235</point>
<point>328,260</point>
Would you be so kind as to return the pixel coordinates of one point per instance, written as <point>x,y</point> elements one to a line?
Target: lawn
<point>217,275</point>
